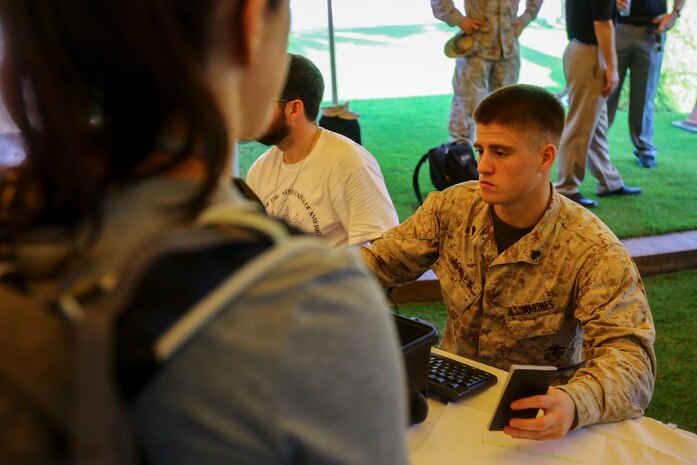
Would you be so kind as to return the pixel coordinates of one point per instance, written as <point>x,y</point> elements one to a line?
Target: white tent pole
<point>332,59</point>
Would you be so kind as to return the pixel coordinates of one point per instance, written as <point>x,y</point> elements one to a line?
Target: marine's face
<point>509,165</point>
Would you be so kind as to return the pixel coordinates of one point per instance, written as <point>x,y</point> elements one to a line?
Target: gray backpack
<point>69,366</point>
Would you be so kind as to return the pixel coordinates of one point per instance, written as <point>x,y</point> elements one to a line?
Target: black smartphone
<point>522,381</point>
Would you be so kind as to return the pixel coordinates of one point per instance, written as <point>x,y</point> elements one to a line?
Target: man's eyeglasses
<point>286,100</point>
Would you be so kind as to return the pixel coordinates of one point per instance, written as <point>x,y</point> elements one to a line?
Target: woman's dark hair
<point>91,85</point>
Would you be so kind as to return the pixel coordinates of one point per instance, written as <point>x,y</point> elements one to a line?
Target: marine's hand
<point>470,25</point>
<point>622,4</point>
<point>559,413</point>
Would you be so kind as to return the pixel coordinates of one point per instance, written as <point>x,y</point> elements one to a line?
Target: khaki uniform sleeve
<point>620,370</point>
<point>532,8</point>
<point>405,252</point>
<point>445,11</point>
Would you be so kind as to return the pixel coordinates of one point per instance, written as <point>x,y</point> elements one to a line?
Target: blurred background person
<point>317,180</point>
<point>640,39</point>
<point>494,60</point>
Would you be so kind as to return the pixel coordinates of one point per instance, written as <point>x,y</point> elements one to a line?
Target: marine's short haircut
<point>305,83</point>
<point>524,106</point>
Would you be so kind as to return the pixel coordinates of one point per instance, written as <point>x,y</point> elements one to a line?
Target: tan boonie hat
<point>461,45</point>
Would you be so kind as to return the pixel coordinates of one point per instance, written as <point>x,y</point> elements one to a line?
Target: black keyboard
<point>452,380</point>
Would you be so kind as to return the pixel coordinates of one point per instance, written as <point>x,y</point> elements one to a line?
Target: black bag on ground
<point>449,164</point>
<point>346,127</point>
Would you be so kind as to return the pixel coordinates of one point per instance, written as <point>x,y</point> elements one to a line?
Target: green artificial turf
<point>672,298</point>
<point>399,136</point>
<point>399,131</point>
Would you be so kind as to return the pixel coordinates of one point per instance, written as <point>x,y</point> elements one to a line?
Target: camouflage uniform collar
<point>482,233</point>
<point>532,248</point>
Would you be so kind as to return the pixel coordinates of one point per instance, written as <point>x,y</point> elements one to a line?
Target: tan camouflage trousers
<point>474,79</point>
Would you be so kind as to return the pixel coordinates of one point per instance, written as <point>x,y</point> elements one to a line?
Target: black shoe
<point>646,162</point>
<point>624,190</point>
<point>581,200</point>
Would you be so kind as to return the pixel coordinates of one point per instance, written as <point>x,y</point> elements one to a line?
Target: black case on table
<point>416,337</point>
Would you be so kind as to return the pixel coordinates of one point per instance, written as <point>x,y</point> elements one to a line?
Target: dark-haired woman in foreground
<point>129,109</point>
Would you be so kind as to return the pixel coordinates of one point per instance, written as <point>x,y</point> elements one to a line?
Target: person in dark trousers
<point>640,40</point>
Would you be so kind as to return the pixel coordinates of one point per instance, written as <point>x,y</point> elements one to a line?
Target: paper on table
<point>460,437</point>
<point>645,441</point>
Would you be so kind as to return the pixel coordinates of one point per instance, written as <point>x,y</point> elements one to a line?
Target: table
<point>637,441</point>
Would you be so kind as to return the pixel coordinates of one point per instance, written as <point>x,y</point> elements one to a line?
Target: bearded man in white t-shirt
<point>316,180</point>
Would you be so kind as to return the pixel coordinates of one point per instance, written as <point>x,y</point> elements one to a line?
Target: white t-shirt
<point>337,192</point>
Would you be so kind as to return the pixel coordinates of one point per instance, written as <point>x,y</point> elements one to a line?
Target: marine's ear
<point>548,153</point>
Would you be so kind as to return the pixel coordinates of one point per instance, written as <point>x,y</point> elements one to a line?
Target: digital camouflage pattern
<point>497,38</point>
<point>567,294</point>
<point>474,78</point>
<point>495,61</point>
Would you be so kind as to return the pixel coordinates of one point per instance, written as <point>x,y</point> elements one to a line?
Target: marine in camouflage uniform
<point>494,63</point>
<point>566,294</point>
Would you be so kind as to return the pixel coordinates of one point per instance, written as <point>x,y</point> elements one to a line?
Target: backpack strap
<point>229,291</point>
<point>34,354</point>
<point>72,380</point>
<point>101,433</point>
<point>222,214</point>
<point>55,362</point>
<point>286,248</point>
<point>415,179</point>
<point>256,245</point>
